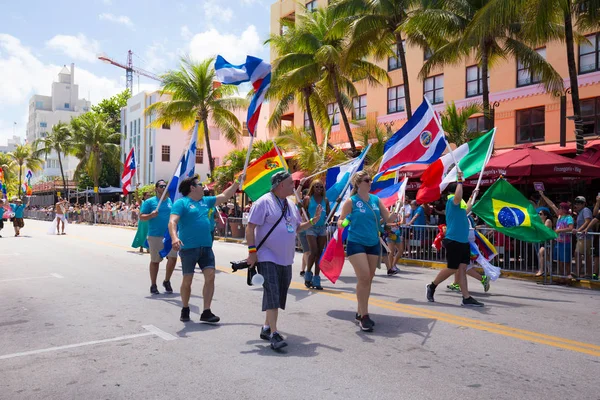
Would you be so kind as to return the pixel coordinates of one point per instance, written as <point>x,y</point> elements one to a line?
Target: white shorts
<point>156,245</point>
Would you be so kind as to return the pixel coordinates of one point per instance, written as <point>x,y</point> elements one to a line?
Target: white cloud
<point>213,10</point>
<point>77,47</point>
<point>119,19</point>
<point>234,48</point>
<point>186,33</point>
<point>158,57</point>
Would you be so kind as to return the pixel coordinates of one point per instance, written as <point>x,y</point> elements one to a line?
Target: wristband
<point>311,221</point>
<point>251,249</point>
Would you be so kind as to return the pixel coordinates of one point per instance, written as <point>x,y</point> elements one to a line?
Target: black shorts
<point>457,253</point>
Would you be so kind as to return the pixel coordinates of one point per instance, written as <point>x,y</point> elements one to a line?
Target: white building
<point>46,111</point>
<point>11,145</point>
<point>158,150</point>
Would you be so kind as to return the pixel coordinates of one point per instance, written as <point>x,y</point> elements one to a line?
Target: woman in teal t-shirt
<point>317,234</point>
<point>365,212</point>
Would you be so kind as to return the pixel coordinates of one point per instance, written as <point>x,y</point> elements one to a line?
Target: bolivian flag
<point>258,174</point>
<point>506,210</point>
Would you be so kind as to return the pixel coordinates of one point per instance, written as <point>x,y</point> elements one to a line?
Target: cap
<point>579,199</point>
<point>279,177</point>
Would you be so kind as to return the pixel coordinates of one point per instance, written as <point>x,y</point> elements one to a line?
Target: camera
<point>242,264</point>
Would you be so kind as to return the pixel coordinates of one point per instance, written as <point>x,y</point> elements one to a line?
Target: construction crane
<point>129,69</point>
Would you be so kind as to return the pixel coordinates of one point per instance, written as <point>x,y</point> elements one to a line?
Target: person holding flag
<point>190,229</point>
<point>364,212</point>
<point>317,234</point>
<point>18,208</point>
<point>456,242</point>
<point>158,221</point>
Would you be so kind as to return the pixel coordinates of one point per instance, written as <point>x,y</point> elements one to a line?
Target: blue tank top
<point>312,210</point>
<point>364,223</point>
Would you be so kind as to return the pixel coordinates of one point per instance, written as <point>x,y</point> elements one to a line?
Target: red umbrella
<point>590,155</point>
<point>413,171</point>
<point>527,163</point>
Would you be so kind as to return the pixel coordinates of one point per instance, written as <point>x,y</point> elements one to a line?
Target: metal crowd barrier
<point>122,218</point>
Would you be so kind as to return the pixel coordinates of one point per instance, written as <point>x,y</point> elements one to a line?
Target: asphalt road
<point>77,321</point>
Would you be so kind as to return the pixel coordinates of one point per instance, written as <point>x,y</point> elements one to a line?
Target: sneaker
<point>366,324</point>
<point>308,279</point>
<point>430,293</point>
<point>302,273</point>
<point>455,287</point>
<point>393,271</point>
<point>208,316</point>
<point>358,318</point>
<point>471,302</point>
<point>485,281</point>
<point>185,314</point>
<point>277,341</point>
<point>167,286</point>
<point>265,334</point>
<point>316,282</point>
<point>154,289</point>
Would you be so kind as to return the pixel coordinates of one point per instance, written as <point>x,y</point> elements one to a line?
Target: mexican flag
<point>259,172</point>
<point>506,210</point>
<point>471,157</point>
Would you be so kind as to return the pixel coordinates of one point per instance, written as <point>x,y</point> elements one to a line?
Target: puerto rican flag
<point>420,141</point>
<point>255,71</point>
<point>128,170</point>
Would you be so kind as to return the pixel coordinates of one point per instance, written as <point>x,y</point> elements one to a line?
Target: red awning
<point>296,176</point>
<point>591,155</point>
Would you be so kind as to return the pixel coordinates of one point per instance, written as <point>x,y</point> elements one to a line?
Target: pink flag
<point>333,257</point>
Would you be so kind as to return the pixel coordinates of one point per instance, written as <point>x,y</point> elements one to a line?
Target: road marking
<point>159,332</point>
<point>57,276</point>
<point>31,277</point>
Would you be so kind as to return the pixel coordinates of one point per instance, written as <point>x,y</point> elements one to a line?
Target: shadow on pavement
<point>298,346</point>
<point>195,326</point>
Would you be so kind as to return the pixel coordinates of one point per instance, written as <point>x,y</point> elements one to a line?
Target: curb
<point>578,283</point>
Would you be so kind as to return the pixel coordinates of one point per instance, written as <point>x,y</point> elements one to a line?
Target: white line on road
<point>57,276</point>
<point>159,332</point>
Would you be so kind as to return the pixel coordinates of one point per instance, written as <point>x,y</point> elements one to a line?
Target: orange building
<point>524,112</point>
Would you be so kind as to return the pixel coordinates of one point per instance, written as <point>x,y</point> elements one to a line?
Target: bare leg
<point>209,286</point>
<point>186,289</point>
<point>271,320</point>
<point>364,268</point>
<point>171,262</point>
<point>314,253</point>
<point>462,279</point>
<point>153,272</point>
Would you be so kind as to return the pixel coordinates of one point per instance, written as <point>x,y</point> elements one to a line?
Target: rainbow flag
<point>258,174</point>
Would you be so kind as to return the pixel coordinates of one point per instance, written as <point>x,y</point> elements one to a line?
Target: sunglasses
<point>162,186</point>
<point>318,186</point>
<point>197,184</point>
<point>367,180</point>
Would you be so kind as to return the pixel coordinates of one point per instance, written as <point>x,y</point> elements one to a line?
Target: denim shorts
<point>304,242</point>
<point>317,231</point>
<point>356,248</point>
<point>203,256</point>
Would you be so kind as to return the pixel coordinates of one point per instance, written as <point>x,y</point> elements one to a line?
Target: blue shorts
<point>562,252</point>
<point>395,237</point>
<point>304,242</point>
<point>317,231</point>
<point>203,256</point>
<point>357,248</point>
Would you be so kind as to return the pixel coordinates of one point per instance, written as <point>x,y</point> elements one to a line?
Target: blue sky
<point>38,37</point>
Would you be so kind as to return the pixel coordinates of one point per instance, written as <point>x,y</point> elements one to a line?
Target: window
<point>530,125</point>
<point>360,107</point>
<point>334,113</point>
<point>396,99</point>
<point>590,114</point>
<point>474,81</point>
<point>245,131</point>
<point>394,62</point>
<point>67,106</point>
<point>200,156</point>
<point>43,134</point>
<point>125,130</point>
<point>589,54</point>
<point>39,104</point>
<point>427,54</point>
<point>476,124</point>
<point>166,126</point>
<point>525,76</point>
<point>151,153</point>
<point>311,6</point>
<point>43,124</point>
<point>306,121</point>
<point>166,153</point>
<point>433,89</point>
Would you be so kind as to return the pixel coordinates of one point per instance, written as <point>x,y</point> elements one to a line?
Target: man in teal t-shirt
<point>192,215</point>
<point>158,223</point>
<point>19,209</point>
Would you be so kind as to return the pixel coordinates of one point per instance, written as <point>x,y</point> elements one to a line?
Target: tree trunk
<point>62,173</point>
<point>405,80</point>
<point>211,162</point>
<point>573,76</point>
<point>485,89</point>
<point>309,114</point>
<point>96,178</point>
<point>338,97</point>
<point>20,179</point>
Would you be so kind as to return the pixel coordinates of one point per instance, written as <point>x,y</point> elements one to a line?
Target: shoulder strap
<point>283,211</point>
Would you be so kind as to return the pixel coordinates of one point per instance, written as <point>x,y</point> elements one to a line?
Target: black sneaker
<point>366,324</point>
<point>430,293</point>
<point>167,286</point>
<point>154,289</point>
<point>471,302</point>
<point>277,341</point>
<point>358,318</point>
<point>208,316</point>
<point>302,273</point>
<point>265,334</point>
<point>185,314</point>
<point>393,271</point>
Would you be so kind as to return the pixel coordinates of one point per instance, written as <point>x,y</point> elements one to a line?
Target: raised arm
<point>548,202</point>
<point>227,193</point>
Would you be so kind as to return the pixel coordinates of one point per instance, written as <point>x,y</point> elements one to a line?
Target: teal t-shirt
<point>457,223</point>
<point>157,226</point>
<point>364,223</point>
<point>312,210</point>
<point>195,225</point>
<point>18,210</point>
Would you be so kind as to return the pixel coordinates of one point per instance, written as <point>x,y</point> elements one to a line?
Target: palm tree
<point>455,122</point>
<point>8,169</point>
<point>326,53</point>
<point>376,135</point>
<point>94,144</point>
<point>195,96</point>
<point>25,155</point>
<point>294,84</point>
<point>59,141</point>
<point>468,28</point>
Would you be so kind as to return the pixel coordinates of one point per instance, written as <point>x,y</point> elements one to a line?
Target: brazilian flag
<point>505,209</point>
